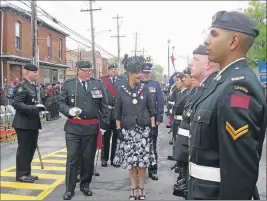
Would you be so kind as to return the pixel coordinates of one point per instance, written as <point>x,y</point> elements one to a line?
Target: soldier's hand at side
<point>102,131</point>
<point>75,111</point>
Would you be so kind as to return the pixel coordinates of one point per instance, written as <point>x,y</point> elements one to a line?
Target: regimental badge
<point>198,118</point>
<point>20,89</point>
<point>152,89</point>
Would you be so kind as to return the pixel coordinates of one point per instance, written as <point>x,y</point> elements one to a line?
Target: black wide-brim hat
<point>133,64</point>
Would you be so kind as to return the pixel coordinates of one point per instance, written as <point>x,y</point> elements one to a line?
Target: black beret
<point>133,64</point>
<point>187,71</point>
<point>146,67</point>
<point>113,65</point>
<point>30,67</point>
<point>84,64</point>
<point>200,50</point>
<point>235,21</point>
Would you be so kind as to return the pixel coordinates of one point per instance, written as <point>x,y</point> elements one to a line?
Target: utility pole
<point>35,44</point>
<point>92,33</point>
<point>135,45</point>
<point>118,38</point>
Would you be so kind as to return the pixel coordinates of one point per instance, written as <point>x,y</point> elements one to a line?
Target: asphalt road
<point>113,183</point>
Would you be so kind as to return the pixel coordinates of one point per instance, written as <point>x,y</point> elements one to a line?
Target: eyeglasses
<point>86,71</point>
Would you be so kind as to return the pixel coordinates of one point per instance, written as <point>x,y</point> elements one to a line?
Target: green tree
<point>157,73</point>
<point>257,11</point>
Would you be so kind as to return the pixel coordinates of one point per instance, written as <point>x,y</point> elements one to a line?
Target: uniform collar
<point>220,73</point>
<point>201,83</point>
<point>28,80</point>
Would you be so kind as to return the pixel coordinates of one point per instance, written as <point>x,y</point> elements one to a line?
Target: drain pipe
<point>2,63</point>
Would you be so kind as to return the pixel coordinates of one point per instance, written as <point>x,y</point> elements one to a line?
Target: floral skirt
<point>136,151</point>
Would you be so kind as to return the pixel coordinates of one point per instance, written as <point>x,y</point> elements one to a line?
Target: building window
<point>49,50</point>
<point>60,49</point>
<point>18,35</point>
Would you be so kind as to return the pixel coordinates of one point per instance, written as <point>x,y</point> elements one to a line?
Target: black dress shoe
<point>87,191</point>
<point>97,174</point>
<point>68,195</point>
<point>153,176</point>
<point>33,177</point>
<point>78,178</point>
<point>171,142</point>
<point>170,158</point>
<point>25,179</point>
<point>104,164</point>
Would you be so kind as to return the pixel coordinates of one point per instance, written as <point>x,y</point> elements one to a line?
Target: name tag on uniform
<point>152,89</point>
<point>96,93</point>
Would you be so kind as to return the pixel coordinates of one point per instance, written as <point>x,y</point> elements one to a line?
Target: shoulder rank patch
<point>239,101</point>
<point>244,89</point>
<point>20,89</point>
<point>235,134</point>
<point>237,78</point>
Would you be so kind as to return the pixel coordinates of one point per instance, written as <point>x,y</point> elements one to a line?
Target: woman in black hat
<point>134,113</point>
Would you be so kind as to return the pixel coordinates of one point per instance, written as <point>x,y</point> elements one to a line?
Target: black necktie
<point>84,87</point>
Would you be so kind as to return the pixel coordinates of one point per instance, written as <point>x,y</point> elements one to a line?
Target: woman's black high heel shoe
<point>141,196</point>
<point>133,196</point>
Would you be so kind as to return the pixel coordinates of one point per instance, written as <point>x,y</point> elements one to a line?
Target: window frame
<point>49,45</point>
<point>18,39</point>
<point>60,49</point>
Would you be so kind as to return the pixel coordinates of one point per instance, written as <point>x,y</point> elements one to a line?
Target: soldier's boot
<point>180,186</point>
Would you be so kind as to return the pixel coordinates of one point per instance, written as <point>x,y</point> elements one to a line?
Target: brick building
<point>16,47</point>
<point>73,56</point>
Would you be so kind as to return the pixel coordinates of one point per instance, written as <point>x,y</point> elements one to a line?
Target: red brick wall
<point>15,73</point>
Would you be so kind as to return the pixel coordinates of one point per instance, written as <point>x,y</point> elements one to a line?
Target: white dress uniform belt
<point>204,172</point>
<point>110,107</point>
<point>171,103</point>
<point>183,132</point>
<point>178,117</point>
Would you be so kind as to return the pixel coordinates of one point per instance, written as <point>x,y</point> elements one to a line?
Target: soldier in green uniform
<point>26,123</point>
<point>229,124</point>
<point>83,100</point>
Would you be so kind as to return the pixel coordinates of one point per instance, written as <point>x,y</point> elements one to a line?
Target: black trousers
<point>154,168</point>
<point>81,147</point>
<point>111,131</point>
<point>27,143</point>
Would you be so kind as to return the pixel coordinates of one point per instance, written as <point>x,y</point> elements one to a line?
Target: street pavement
<point>113,183</point>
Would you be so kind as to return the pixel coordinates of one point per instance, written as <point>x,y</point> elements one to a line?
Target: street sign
<point>263,72</point>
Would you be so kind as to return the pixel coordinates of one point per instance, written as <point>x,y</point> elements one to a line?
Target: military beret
<point>113,65</point>
<point>30,67</point>
<point>235,21</point>
<point>146,67</point>
<point>201,49</point>
<point>84,64</point>
<point>187,71</point>
<point>179,75</point>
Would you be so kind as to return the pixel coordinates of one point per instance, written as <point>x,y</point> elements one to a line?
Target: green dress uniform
<point>228,128</point>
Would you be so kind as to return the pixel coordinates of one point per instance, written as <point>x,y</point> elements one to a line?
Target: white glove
<point>102,131</point>
<point>41,107</point>
<point>75,111</point>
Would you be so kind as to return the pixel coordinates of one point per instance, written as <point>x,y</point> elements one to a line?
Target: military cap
<point>113,65</point>
<point>84,64</point>
<point>235,21</point>
<point>187,71</point>
<point>30,67</point>
<point>146,67</point>
<point>201,49</point>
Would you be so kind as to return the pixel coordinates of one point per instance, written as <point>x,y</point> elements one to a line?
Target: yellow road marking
<point>41,176</point>
<point>51,161</point>
<point>58,156</point>
<point>4,196</point>
<point>46,188</point>
<point>33,186</point>
<point>49,168</point>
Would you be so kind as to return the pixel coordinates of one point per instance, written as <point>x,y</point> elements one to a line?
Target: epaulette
<point>96,79</point>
